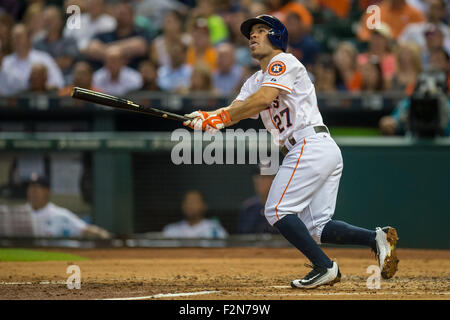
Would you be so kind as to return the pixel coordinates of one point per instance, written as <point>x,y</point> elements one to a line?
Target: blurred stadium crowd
<point>182,46</point>
<point>195,46</point>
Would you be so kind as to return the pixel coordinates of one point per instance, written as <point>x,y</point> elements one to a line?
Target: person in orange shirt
<point>395,13</point>
<point>380,44</point>
<point>348,76</point>
<point>281,8</point>
<point>201,50</point>
<point>368,77</point>
<point>371,76</point>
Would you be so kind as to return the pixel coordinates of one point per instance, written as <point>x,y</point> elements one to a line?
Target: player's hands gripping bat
<point>124,104</point>
<point>208,122</point>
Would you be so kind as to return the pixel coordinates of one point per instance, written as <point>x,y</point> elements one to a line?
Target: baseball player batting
<point>302,197</point>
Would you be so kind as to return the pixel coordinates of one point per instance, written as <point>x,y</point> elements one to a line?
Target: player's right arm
<point>225,117</point>
<point>253,105</point>
<point>234,104</point>
<point>246,105</point>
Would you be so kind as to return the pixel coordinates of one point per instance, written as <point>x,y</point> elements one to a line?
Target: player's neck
<point>264,62</point>
<point>194,221</point>
<point>39,206</point>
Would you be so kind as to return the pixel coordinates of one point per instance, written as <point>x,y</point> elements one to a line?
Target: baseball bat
<point>124,104</point>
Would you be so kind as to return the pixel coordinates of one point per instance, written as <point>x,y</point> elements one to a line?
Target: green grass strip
<point>359,132</point>
<point>35,255</point>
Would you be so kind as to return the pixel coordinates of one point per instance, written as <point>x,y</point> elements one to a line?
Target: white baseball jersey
<point>54,221</point>
<point>296,106</point>
<point>307,182</point>
<point>207,228</point>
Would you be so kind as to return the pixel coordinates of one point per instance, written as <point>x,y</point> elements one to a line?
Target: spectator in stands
<point>397,14</point>
<point>371,76</point>
<point>82,77</point>
<point>175,77</point>
<point>38,80</point>
<point>408,67</point>
<point>348,77</point>
<point>229,74</point>
<point>172,34</point>
<point>19,63</point>
<point>218,31</point>
<point>282,8</point>
<point>243,56</point>
<point>195,225</point>
<point>50,220</point>
<point>325,74</point>
<point>421,5</point>
<point>393,124</point>
<point>93,22</point>
<point>415,32</point>
<point>6,25</point>
<point>380,45</point>
<point>131,40</point>
<point>440,61</point>
<point>149,76</point>
<point>201,50</point>
<point>301,44</point>
<point>115,77</point>
<point>397,123</point>
<point>434,39</point>
<point>201,80</point>
<point>63,49</point>
<point>32,19</point>
<point>255,9</point>
<point>251,217</point>
<point>154,10</point>
<point>7,80</point>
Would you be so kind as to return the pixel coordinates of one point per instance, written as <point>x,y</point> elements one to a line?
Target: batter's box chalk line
<point>44,282</point>
<point>166,295</point>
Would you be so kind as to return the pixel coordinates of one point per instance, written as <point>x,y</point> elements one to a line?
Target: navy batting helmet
<point>278,34</point>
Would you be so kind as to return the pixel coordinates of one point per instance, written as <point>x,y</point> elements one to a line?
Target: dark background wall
<point>402,185</point>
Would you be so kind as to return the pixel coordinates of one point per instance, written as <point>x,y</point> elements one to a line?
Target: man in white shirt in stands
<point>50,220</point>
<point>416,32</point>
<point>115,77</point>
<point>19,63</point>
<point>6,80</point>
<point>195,224</point>
<point>176,76</point>
<point>229,76</point>
<point>93,22</point>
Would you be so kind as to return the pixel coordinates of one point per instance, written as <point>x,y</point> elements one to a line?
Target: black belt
<point>317,129</point>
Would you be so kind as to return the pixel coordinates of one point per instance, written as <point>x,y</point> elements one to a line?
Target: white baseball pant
<point>307,183</point>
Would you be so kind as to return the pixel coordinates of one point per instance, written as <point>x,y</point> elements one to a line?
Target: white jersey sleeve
<point>70,225</point>
<point>281,73</point>
<point>246,92</point>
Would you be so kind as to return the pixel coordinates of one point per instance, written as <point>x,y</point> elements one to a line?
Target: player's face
<point>38,196</point>
<point>193,206</point>
<point>259,44</point>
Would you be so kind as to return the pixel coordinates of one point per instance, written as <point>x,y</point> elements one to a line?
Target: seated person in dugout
<point>50,220</point>
<point>195,225</point>
<point>251,217</point>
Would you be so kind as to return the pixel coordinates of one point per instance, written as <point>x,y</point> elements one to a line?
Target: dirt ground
<point>222,273</point>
